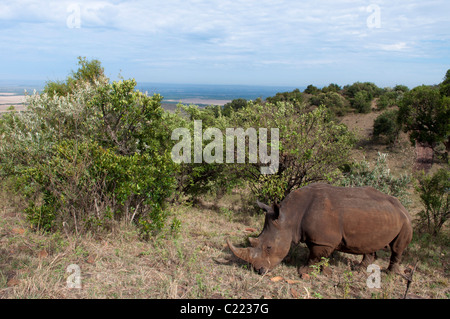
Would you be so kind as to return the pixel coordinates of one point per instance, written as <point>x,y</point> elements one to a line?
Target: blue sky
<point>291,43</point>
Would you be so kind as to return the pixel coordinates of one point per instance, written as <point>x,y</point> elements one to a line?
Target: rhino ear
<point>276,210</point>
<point>271,211</point>
<point>265,207</point>
<point>254,241</point>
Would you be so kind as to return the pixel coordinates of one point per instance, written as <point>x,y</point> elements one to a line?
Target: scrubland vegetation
<point>87,178</point>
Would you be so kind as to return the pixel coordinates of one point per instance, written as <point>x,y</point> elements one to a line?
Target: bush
<point>434,190</point>
<point>333,101</point>
<point>234,105</point>
<point>378,177</point>
<point>425,114</point>
<point>361,102</point>
<point>88,71</point>
<point>98,154</point>
<point>385,101</point>
<point>295,97</point>
<point>195,179</point>
<point>369,88</point>
<point>312,147</point>
<point>386,125</point>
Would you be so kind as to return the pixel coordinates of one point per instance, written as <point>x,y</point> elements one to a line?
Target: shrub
<point>335,102</point>
<point>294,97</point>
<point>434,190</point>
<point>361,102</point>
<point>312,147</point>
<point>88,71</point>
<point>386,125</point>
<point>234,105</point>
<point>378,177</point>
<point>83,159</point>
<point>425,114</point>
<point>369,88</point>
<point>195,179</point>
<point>311,89</point>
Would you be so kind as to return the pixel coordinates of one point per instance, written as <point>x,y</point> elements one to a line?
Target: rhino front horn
<point>242,253</point>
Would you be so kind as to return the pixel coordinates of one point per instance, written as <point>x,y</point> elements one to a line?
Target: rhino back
<point>355,220</point>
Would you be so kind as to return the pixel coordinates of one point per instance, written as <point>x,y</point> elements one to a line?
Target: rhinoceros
<point>356,220</point>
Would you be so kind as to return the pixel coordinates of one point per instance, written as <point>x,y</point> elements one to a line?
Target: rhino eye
<point>268,248</point>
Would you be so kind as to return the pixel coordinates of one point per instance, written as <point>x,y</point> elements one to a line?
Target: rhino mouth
<point>261,271</point>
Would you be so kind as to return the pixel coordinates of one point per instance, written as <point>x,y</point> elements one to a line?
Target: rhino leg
<point>398,246</point>
<point>366,261</point>
<point>316,252</point>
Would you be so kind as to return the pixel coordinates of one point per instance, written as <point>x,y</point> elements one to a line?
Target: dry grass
<point>194,262</point>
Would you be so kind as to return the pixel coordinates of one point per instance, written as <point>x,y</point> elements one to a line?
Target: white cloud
<point>228,34</point>
<point>400,46</point>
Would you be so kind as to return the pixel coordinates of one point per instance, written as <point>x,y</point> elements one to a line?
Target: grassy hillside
<point>190,259</point>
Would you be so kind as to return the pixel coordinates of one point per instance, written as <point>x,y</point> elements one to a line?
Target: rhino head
<point>271,246</point>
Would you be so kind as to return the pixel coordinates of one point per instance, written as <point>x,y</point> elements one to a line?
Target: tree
<point>434,195</point>
<point>370,88</point>
<point>332,87</point>
<point>312,147</point>
<point>295,96</point>
<point>311,89</point>
<point>97,154</point>
<point>361,102</point>
<point>234,105</point>
<point>401,88</point>
<point>445,85</point>
<point>425,114</point>
<point>88,71</point>
<point>335,102</point>
<point>386,125</point>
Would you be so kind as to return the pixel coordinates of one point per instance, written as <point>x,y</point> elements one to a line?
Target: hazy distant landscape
<point>11,92</point>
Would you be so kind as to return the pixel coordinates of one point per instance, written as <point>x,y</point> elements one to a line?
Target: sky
<point>290,43</point>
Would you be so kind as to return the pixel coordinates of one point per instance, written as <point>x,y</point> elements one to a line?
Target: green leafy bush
<point>361,102</point>
<point>335,102</point>
<point>369,88</point>
<point>425,114</point>
<point>378,177</point>
<point>98,154</point>
<point>386,125</point>
<point>311,147</point>
<point>195,179</point>
<point>88,71</point>
<point>294,96</point>
<point>434,195</point>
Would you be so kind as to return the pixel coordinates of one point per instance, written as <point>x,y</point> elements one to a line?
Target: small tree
<point>444,87</point>
<point>294,96</point>
<point>311,89</point>
<point>361,102</point>
<point>335,102</point>
<point>234,105</point>
<point>312,147</point>
<point>96,154</point>
<point>88,71</point>
<point>425,114</point>
<point>332,87</point>
<point>386,125</point>
<point>434,195</point>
